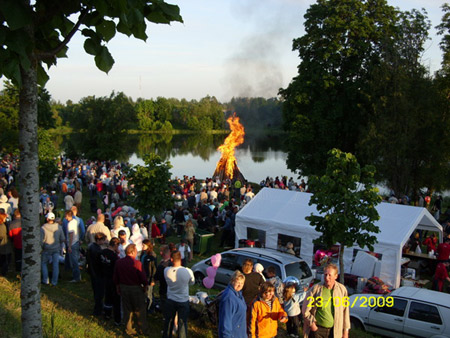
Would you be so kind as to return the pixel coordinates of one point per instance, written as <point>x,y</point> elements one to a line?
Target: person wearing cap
<point>52,240</point>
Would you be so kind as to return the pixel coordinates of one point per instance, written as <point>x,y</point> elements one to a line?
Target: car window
<point>229,262</point>
<point>397,309</point>
<point>300,270</point>
<point>424,312</point>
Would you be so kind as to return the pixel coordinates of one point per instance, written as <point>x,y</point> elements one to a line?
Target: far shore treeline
<point>118,112</point>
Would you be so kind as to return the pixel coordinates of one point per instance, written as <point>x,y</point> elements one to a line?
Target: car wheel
<point>199,278</point>
<point>356,324</point>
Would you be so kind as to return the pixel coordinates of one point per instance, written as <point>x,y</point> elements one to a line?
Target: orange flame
<point>235,138</point>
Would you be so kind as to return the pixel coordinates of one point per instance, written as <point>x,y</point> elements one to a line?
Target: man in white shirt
<point>178,279</point>
<point>73,247</point>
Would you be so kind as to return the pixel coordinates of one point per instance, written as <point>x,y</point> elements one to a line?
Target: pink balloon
<point>211,272</point>
<point>208,282</point>
<point>216,259</point>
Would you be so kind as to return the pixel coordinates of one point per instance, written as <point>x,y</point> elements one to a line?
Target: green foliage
<point>163,114</point>
<point>327,102</point>
<point>345,198</point>
<point>48,158</point>
<point>361,88</point>
<point>37,32</point>
<point>150,192</point>
<point>104,122</point>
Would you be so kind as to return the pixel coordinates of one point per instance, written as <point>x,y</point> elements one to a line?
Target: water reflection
<point>259,156</point>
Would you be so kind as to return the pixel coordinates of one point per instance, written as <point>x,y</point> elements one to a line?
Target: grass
<point>67,308</point>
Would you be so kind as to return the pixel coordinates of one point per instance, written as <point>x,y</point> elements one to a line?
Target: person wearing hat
<point>5,205</point>
<point>52,239</point>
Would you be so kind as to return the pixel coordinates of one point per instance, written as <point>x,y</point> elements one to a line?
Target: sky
<point>224,48</point>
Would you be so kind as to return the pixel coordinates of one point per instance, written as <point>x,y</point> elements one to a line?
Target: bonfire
<point>227,167</point>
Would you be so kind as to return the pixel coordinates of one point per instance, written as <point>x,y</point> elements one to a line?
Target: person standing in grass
<point>232,309</point>
<point>131,285</point>
<point>5,245</point>
<point>15,232</point>
<point>94,268</point>
<point>52,239</point>
<point>328,320</point>
<point>109,257</point>
<point>266,312</point>
<point>73,247</point>
<point>148,260</point>
<point>178,279</point>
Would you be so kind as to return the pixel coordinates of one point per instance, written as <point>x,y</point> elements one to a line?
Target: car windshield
<point>300,270</point>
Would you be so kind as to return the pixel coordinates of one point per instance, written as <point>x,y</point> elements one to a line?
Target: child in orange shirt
<point>266,311</point>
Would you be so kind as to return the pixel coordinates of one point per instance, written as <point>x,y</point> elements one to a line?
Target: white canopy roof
<point>278,211</point>
<point>287,210</point>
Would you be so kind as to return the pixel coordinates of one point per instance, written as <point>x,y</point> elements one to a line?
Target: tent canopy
<point>278,211</point>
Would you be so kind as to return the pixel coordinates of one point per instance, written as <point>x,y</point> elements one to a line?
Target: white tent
<point>283,212</point>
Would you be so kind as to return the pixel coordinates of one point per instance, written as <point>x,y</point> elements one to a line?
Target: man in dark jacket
<point>94,268</point>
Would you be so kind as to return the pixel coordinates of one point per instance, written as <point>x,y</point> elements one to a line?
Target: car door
<point>423,320</point>
<point>388,321</point>
<point>228,265</point>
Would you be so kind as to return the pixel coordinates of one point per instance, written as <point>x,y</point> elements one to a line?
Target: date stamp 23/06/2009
<point>370,301</point>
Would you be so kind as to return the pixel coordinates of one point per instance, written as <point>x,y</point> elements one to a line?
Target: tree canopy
<point>345,198</point>
<point>150,190</point>
<point>361,87</point>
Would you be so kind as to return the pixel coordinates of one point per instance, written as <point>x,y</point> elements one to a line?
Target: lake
<point>260,155</point>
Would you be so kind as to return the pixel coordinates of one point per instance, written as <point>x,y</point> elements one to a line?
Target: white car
<point>405,312</point>
<point>285,265</point>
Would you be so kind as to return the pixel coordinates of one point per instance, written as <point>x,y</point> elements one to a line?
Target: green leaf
<point>123,28</point>
<point>107,29</point>
<point>139,31</point>
<point>101,6</point>
<point>157,17</point>
<point>104,60</point>
<point>15,13</point>
<point>92,47</point>
<point>89,33</point>
<point>172,11</point>
<point>135,17</point>
<point>11,70</point>
<point>42,76</point>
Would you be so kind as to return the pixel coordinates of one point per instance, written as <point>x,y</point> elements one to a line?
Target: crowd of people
<point>119,246</point>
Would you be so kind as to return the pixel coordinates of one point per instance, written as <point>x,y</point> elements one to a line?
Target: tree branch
<point>57,49</point>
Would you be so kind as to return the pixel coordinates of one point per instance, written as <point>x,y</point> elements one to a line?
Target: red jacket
<point>15,232</point>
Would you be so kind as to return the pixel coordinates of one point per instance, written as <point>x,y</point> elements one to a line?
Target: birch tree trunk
<point>29,206</point>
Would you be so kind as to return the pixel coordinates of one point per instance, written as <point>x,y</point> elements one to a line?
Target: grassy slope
<point>67,307</point>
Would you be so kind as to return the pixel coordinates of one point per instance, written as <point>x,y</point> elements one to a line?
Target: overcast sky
<point>224,48</point>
